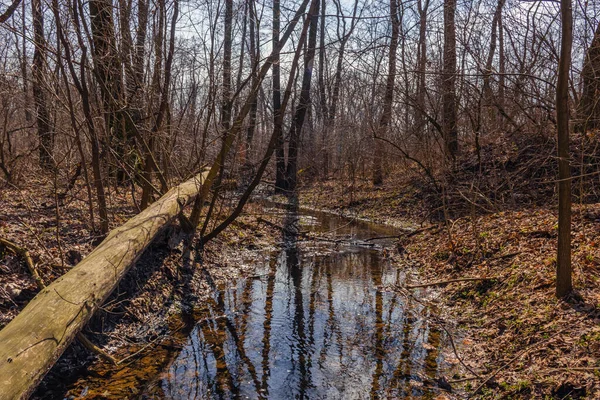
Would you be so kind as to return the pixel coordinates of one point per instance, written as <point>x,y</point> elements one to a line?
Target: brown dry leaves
<point>518,313</point>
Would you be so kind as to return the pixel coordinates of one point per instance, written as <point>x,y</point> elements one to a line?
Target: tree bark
<point>564,284</point>
<point>386,115</point>
<point>35,339</point>
<point>107,68</point>
<point>39,77</point>
<point>304,102</point>
<point>588,112</point>
<point>278,126</point>
<point>9,11</point>
<point>421,119</point>
<point>449,81</point>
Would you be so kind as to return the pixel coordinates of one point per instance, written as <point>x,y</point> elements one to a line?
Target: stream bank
<point>520,342</point>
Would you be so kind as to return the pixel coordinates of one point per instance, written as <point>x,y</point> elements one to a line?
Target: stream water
<point>315,322</point>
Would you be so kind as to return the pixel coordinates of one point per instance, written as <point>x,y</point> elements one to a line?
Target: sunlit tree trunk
<point>386,115</point>
<point>254,57</point>
<point>107,68</point>
<point>279,151</point>
<point>323,109</point>
<point>304,102</point>
<point>563,265</point>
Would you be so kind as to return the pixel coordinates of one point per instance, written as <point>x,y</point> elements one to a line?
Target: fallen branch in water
<point>308,236</point>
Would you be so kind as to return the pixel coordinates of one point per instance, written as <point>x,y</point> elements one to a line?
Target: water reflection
<point>316,325</point>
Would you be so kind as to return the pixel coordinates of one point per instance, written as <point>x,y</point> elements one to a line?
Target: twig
<point>95,349</point>
<point>129,357</point>
<point>21,251</point>
<point>447,282</point>
<point>577,369</point>
<point>503,256</point>
<point>439,322</point>
<point>493,374</point>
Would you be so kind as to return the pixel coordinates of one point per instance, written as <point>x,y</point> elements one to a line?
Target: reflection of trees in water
<point>376,275</point>
<point>300,351</point>
<point>266,340</point>
<point>342,334</point>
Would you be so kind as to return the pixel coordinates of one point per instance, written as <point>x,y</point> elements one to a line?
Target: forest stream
<point>314,322</point>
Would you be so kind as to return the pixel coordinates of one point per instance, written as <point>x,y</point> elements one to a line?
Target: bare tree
<point>386,115</point>
<point>449,81</point>
<point>9,11</point>
<point>39,78</point>
<point>279,151</point>
<point>564,284</point>
<point>291,172</point>
<point>588,112</point>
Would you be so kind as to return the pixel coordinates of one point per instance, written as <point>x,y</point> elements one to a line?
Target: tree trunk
<point>254,51</point>
<point>421,120</point>
<point>386,115</point>
<point>304,102</point>
<point>449,81</point>
<point>39,76</point>
<point>107,68</point>
<point>563,261</point>
<point>35,339</point>
<point>279,151</point>
<point>588,112</point>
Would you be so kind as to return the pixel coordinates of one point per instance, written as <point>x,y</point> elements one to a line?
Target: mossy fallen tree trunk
<point>32,342</point>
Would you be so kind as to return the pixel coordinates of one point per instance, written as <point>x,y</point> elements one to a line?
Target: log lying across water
<point>32,342</point>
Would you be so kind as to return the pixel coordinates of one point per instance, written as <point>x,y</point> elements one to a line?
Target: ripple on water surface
<point>315,325</point>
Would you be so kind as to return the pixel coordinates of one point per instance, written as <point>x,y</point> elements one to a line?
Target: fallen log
<point>32,342</point>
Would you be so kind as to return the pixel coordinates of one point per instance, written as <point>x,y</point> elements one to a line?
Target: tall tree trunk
<point>323,109</point>
<point>226,105</point>
<point>154,106</point>
<point>107,68</point>
<point>254,51</point>
<point>304,101</point>
<point>487,73</point>
<point>449,81</point>
<point>226,86</point>
<point>588,111</point>
<point>278,122</point>
<point>386,115</point>
<point>564,284</point>
<point>502,69</point>
<point>423,8</point>
<point>39,68</point>
<point>82,87</point>
<point>161,87</point>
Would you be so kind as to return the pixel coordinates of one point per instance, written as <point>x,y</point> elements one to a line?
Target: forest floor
<point>146,316</point>
<point>516,339</point>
